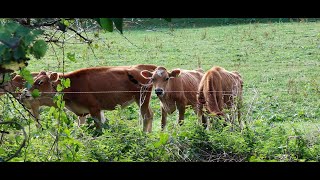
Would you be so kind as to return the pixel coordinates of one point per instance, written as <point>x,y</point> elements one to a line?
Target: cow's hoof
<point>97,132</point>
<point>106,126</point>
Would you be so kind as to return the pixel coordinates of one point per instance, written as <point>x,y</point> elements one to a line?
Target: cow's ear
<point>42,73</point>
<point>174,73</point>
<point>12,75</point>
<point>53,77</point>
<point>146,74</point>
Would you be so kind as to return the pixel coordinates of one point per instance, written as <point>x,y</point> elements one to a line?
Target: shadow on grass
<point>177,23</point>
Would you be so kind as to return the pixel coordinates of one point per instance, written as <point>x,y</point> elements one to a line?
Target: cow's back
<point>104,87</point>
<point>231,86</point>
<point>218,87</point>
<point>184,88</point>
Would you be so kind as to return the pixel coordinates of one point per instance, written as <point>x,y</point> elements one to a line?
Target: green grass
<point>279,61</point>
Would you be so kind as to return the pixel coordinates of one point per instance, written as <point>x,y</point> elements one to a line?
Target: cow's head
<point>9,85</point>
<point>43,82</point>
<point>160,78</point>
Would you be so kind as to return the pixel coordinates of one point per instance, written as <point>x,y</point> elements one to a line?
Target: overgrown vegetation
<point>279,60</point>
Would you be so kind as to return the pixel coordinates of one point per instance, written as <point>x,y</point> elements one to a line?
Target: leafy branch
<point>18,126</point>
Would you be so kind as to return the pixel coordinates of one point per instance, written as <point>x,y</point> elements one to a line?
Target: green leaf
<point>61,105</point>
<point>164,138</point>
<point>71,57</point>
<point>76,148</point>
<point>51,110</point>
<point>118,22</point>
<point>26,74</point>
<point>22,31</point>
<point>106,24</point>
<point>66,83</point>
<point>151,154</point>
<point>6,55</point>
<point>12,26</point>
<point>5,38</point>
<point>66,22</point>
<point>35,93</point>
<point>157,144</point>
<point>59,88</point>
<point>29,38</point>
<point>59,97</point>
<point>67,132</point>
<point>2,151</point>
<point>10,42</point>
<point>19,53</point>
<point>39,49</point>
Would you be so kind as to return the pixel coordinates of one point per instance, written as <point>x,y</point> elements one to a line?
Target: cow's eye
<point>40,82</point>
<point>167,78</point>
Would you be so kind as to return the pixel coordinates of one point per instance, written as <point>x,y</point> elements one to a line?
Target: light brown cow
<point>175,89</point>
<point>218,90</point>
<point>14,86</point>
<point>99,88</point>
<point>17,84</point>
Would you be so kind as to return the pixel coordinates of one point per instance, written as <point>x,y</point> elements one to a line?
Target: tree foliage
<point>21,38</point>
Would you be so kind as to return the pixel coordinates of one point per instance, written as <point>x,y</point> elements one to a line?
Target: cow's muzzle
<point>25,95</point>
<point>159,92</point>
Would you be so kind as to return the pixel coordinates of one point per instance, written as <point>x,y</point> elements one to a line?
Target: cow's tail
<point>213,93</point>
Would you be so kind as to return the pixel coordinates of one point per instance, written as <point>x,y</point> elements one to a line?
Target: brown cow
<point>219,89</point>
<point>99,88</point>
<point>175,89</point>
<point>18,83</point>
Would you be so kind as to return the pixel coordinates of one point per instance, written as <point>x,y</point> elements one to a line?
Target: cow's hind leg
<point>202,119</point>
<point>98,117</point>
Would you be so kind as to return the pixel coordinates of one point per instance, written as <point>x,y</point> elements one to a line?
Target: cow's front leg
<point>81,120</point>
<point>163,118</point>
<point>147,116</point>
<point>145,111</point>
<point>36,115</point>
<point>182,110</point>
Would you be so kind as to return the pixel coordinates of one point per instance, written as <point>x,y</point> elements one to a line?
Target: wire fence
<point>114,91</point>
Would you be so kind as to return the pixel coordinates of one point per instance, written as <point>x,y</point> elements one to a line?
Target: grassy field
<point>278,60</point>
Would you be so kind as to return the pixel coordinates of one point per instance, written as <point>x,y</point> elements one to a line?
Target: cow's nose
<point>159,91</point>
<point>25,94</point>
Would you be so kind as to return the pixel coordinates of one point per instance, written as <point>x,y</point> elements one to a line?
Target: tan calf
<point>175,89</point>
<point>218,90</point>
<point>18,83</point>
